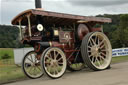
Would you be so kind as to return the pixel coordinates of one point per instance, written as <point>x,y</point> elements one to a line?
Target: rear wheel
<point>54,62</point>
<point>31,65</point>
<point>96,51</point>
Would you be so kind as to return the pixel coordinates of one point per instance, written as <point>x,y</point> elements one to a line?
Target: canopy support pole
<point>29,25</point>
<point>20,29</point>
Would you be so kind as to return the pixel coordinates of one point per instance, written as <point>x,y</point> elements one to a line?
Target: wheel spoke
<point>35,70</point>
<point>105,50</point>
<point>54,54</point>
<point>100,43</point>
<point>39,68</point>
<point>90,55</point>
<point>56,70</point>
<point>92,59</point>
<point>60,63</point>
<point>48,57</point>
<point>103,54</point>
<point>59,59</point>
<point>31,57</point>
<point>89,51</point>
<point>35,58</point>
<point>47,62</point>
<point>96,38</point>
<point>90,43</point>
<point>102,57</point>
<point>93,41</point>
<point>30,69</point>
<point>30,60</point>
<point>98,61</point>
<point>89,47</point>
<point>48,68</point>
<point>57,55</point>
<point>102,46</point>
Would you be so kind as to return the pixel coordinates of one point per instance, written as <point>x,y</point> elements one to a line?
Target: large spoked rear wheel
<point>96,51</point>
<point>31,65</point>
<point>54,62</point>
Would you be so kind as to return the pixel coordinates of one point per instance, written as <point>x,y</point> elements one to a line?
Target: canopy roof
<point>53,18</point>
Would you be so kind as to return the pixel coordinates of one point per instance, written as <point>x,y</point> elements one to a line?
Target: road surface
<point>117,75</point>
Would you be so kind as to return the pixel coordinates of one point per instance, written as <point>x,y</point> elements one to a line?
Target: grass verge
<point>10,73</point>
<point>119,59</point>
<point>8,51</point>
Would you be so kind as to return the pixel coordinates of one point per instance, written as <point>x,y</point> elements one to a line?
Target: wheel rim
<point>99,50</point>
<point>32,65</point>
<point>55,62</point>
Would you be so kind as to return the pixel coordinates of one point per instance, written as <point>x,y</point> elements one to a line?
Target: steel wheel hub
<point>95,51</point>
<point>54,63</point>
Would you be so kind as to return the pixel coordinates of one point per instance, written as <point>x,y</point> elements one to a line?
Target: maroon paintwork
<point>68,39</point>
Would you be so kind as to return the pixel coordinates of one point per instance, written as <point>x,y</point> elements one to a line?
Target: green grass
<point>119,59</point>
<point>8,70</point>
<point>11,73</point>
<point>8,51</point>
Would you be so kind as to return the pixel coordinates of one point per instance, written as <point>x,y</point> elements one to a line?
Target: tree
<point>9,37</point>
<point>123,30</point>
<point>120,36</point>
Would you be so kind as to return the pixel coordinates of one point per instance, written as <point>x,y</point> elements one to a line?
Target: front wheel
<point>31,65</point>
<point>96,51</point>
<point>53,62</point>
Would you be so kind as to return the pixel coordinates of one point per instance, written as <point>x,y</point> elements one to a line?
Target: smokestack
<point>38,4</point>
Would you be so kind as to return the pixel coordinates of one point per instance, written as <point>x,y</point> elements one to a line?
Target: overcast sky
<point>10,8</point>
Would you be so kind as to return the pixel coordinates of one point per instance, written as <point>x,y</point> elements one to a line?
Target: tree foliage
<point>9,37</point>
<point>117,31</point>
<point>122,32</point>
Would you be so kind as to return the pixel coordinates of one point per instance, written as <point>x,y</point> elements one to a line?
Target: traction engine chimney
<point>38,4</point>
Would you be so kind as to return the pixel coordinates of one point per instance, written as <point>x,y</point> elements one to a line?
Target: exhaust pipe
<point>38,4</point>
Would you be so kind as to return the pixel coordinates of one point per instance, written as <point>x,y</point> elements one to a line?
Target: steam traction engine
<point>62,41</point>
